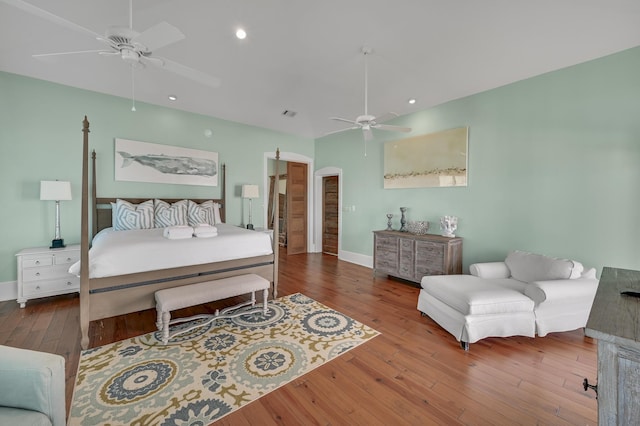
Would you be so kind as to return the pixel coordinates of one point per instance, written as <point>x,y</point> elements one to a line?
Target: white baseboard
<point>8,290</point>
<point>357,258</point>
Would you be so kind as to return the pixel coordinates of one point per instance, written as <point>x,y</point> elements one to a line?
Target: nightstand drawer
<point>46,273</point>
<point>34,262</point>
<point>60,285</point>
<point>67,258</point>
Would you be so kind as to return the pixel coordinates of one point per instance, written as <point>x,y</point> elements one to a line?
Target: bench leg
<point>265,296</point>
<point>159,321</point>
<point>166,319</point>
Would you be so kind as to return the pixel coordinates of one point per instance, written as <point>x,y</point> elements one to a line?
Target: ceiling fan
<point>136,49</point>
<point>368,122</point>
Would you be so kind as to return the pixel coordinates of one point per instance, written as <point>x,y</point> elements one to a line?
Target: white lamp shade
<point>55,190</point>
<point>250,191</point>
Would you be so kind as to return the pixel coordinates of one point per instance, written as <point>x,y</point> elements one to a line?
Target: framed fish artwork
<point>150,162</point>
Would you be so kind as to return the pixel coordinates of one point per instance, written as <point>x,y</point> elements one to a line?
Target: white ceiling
<point>304,55</point>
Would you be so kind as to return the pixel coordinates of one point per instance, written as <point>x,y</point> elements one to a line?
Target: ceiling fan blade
<point>43,55</point>
<point>344,120</point>
<point>50,17</point>
<point>341,130</point>
<point>385,117</point>
<point>185,71</point>
<point>368,134</point>
<point>158,36</point>
<point>392,128</point>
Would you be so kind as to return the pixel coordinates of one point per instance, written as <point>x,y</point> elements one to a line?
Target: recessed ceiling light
<point>412,101</point>
<point>173,98</point>
<point>241,34</point>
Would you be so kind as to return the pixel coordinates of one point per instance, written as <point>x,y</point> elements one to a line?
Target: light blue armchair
<point>32,388</point>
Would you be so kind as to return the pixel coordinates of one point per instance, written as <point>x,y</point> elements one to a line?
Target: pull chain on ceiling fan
<point>368,122</point>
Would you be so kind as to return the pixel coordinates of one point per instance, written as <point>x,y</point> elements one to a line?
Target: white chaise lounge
<point>525,295</point>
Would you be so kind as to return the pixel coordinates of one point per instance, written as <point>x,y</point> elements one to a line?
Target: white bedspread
<point>126,252</point>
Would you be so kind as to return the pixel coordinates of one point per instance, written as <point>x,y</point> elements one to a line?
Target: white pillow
<point>216,212</point>
<point>528,267</point>
<point>201,213</point>
<point>166,214</point>
<point>127,216</point>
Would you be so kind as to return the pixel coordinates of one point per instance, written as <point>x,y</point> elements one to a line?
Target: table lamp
<point>250,192</point>
<point>55,190</point>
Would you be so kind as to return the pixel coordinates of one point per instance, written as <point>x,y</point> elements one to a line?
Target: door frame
<point>295,158</point>
<point>317,176</point>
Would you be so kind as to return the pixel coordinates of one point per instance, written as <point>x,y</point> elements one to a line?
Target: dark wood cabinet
<point>410,257</point>
<point>613,321</point>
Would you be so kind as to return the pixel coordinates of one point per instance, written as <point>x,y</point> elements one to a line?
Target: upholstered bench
<point>171,299</point>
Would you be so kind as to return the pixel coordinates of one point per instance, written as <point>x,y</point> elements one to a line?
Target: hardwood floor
<point>413,373</point>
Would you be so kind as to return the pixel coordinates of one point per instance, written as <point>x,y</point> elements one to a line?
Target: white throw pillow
<point>528,267</point>
<point>127,216</point>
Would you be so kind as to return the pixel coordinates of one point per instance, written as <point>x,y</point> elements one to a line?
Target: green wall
<point>554,168</point>
<point>554,164</point>
<point>41,139</point>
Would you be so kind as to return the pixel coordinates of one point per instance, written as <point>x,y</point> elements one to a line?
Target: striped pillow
<point>166,214</point>
<point>201,213</point>
<point>127,216</point>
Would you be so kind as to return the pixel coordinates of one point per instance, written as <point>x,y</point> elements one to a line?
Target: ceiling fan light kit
<point>366,121</point>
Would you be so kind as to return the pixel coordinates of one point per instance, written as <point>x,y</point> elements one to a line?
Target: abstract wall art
<point>433,160</point>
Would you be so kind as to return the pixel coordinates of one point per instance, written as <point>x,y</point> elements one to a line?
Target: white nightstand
<point>44,272</point>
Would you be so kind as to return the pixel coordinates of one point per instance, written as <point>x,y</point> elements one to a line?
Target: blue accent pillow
<point>127,216</point>
<point>166,214</point>
<point>201,213</point>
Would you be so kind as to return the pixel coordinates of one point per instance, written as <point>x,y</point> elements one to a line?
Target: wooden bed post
<point>84,240</point>
<point>94,205</point>
<point>276,224</point>
<point>223,193</point>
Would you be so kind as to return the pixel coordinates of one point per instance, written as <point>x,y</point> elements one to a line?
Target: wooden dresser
<point>615,321</point>
<point>410,257</point>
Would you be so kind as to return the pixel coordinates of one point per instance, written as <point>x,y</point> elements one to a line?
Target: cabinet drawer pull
<point>37,287</point>
<point>69,283</point>
<point>37,262</point>
<point>586,385</point>
<point>37,274</point>
<point>68,259</point>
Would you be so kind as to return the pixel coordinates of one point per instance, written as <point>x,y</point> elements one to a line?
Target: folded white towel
<point>205,234</point>
<point>178,232</point>
<point>204,230</point>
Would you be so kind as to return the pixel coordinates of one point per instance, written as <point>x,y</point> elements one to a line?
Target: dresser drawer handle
<point>68,259</point>
<point>69,283</point>
<point>37,274</point>
<point>37,287</point>
<point>37,262</point>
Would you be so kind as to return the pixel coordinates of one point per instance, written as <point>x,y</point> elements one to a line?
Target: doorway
<point>334,198</point>
<point>330,215</point>
<point>296,200</point>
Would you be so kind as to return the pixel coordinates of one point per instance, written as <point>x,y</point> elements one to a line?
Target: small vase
<point>448,224</point>
<point>389,217</point>
<point>403,220</point>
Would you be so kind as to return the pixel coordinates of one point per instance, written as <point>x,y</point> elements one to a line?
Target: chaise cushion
<point>471,295</point>
<point>528,267</point>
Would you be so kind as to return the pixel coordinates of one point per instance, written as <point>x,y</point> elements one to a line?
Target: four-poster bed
<point>107,296</point>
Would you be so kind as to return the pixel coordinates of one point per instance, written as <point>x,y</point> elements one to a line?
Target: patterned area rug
<point>202,375</point>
